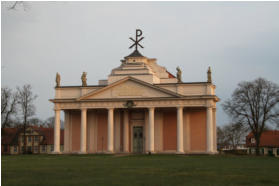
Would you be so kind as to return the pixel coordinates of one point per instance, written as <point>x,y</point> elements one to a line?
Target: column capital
<point>110,108</point>
<point>57,109</point>
<point>151,108</point>
<point>180,107</point>
<point>83,108</point>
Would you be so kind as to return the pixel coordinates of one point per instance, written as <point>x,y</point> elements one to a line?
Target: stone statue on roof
<point>84,79</point>
<point>209,80</point>
<point>57,79</point>
<point>178,74</point>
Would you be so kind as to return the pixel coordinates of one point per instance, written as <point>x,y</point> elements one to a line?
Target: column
<point>57,132</point>
<point>66,131</point>
<point>83,130</point>
<point>151,129</point>
<point>110,130</point>
<point>209,131</point>
<point>126,132</point>
<point>180,130</point>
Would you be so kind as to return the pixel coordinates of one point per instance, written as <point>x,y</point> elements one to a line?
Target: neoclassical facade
<point>139,108</point>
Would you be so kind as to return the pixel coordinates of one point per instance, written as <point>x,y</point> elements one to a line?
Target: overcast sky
<point>239,40</point>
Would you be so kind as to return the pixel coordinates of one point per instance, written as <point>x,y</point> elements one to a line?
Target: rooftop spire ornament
<point>136,42</point>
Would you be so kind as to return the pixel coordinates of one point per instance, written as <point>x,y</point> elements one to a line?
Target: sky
<point>239,40</point>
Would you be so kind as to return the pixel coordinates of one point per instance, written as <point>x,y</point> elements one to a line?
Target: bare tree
<point>232,134</point>
<point>235,134</point>
<point>15,5</point>
<point>27,107</point>
<point>8,106</point>
<point>36,122</point>
<point>254,105</point>
<point>49,122</point>
<point>221,138</point>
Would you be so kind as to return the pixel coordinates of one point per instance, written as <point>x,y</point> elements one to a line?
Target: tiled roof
<point>10,135</point>
<point>48,134</point>
<point>269,138</point>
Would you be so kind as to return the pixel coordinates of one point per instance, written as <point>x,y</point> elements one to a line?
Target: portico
<point>140,108</point>
<point>153,116</point>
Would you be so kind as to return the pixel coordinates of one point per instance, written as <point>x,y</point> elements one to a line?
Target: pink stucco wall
<point>198,130</point>
<point>169,131</point>
<point>102,125</point>
<point>75,131</point>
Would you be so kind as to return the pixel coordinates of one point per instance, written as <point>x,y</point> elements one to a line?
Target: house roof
<point>10,135</point>
<point>48,134</point>
<point>269,138</point>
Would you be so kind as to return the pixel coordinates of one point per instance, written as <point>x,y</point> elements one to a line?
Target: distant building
<point>232,147</point>
<point>38,140</point>
<point>269,143</point>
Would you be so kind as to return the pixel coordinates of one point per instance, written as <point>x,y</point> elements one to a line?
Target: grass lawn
<point>133,170</point>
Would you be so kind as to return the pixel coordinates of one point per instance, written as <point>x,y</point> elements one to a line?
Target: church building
<point>140,108</point>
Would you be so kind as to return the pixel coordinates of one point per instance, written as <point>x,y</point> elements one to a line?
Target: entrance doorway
<point>137,139</point>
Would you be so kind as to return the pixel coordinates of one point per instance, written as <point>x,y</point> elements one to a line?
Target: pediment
<point>129,88</point>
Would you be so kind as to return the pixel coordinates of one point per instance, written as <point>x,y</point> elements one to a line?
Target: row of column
<point>110,147</point>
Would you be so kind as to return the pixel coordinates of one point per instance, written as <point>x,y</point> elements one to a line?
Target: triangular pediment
<point>129,87</point>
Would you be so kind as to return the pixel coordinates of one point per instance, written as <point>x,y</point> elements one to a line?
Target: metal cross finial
<point>136,42</point>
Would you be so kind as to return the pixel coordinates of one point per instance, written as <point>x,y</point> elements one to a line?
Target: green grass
<point>82,170</point>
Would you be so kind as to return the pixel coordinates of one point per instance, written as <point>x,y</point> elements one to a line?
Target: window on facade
<point>29,148</point>
<point>52,148</point>
<point>29,139</point>
<point>36,148</point>
<point>15,148</point>
<point>22,149</point>
<point>278,151</point>
<point>253,140</point>
<point>36,138</point>
<point>22,139</point>
<point>44,148</point>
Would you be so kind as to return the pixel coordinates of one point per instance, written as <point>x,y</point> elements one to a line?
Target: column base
<point>109,152</point>
<point>212,152</point>
<point>180,152</point>
<point>56,152</point>
<point>82,152</point>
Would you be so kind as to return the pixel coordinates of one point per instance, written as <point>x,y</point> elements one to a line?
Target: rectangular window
<point>44,148</point>
<point>36,138</point>
<point>29,139</point>
<point>22,149</point>
<point>29,149</point>
<point>22,139</point>
<point>35,148</point>
<point>15,148</point>
<point>52,148</point>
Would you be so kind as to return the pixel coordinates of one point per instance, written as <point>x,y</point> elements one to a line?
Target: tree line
<point>18,108</point>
